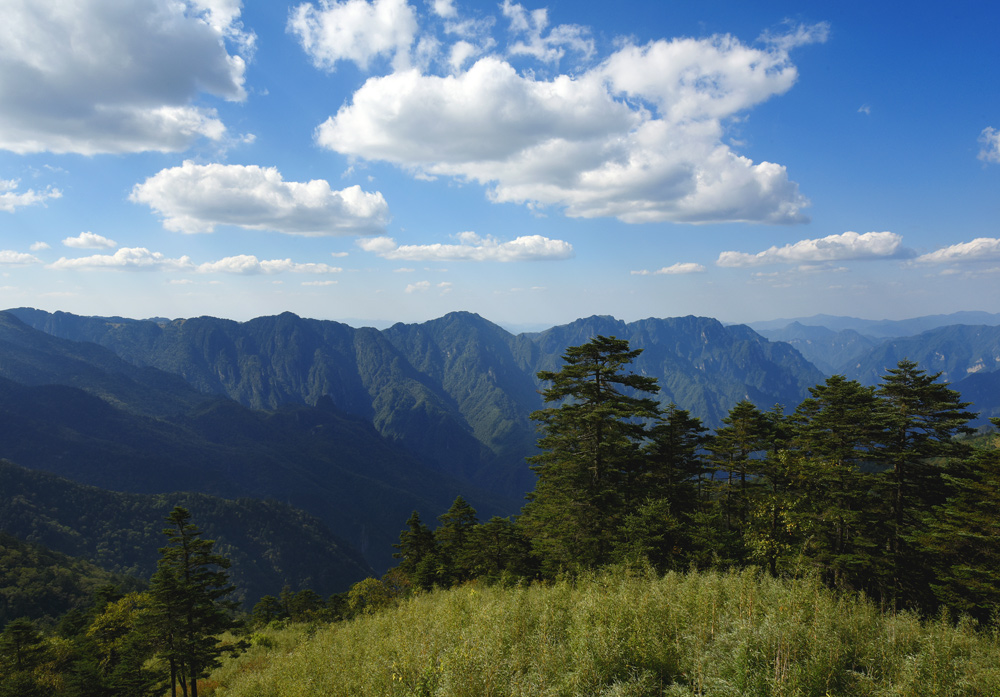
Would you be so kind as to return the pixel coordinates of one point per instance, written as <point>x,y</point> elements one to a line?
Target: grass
<point>621,634</point>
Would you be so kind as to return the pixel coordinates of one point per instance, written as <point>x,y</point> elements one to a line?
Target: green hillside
<point>617,634</point>
<point>271,544</point>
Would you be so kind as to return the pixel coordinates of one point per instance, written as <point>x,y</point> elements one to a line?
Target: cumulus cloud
<point>979,249</point>
<point>249,265</point>
<point>989,145</point>
<point>195,198</point>
<point>674,269</point>
<point>355,30</point>
<point>551,47</point>
<point>39,246</point>
<point>11,258</point>
<point>843,247</point>
<point>638,137</point>
<point>472,247</point>
<point>10,199</point>
<point>89,240</point>
<point>126,259</point>
<point>96,76</point>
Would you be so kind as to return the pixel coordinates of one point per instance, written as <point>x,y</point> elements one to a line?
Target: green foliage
<point>625,634</point>
<point>40,584</point>
<point>270,543</point>
<point>591,459</point>
<point>187,602</point>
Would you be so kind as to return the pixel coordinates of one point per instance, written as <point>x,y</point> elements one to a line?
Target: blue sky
<point>393,161</point>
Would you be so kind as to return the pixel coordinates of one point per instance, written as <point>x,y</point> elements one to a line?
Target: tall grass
<point>621,634</point>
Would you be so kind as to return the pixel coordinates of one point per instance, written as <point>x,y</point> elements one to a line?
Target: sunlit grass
<point>624,634</point>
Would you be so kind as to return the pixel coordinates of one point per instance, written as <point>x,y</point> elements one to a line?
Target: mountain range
<point>357,427</point>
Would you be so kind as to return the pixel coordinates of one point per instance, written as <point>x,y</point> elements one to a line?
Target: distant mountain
<point>955,351</point>
<point>701,364</point>
<point>828,350</point>
<point>270,544</point>
<point>881,329</point>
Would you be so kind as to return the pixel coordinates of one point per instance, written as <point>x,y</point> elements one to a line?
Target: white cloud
<point>89,240</point>
<point>843,247</point>
<point>472,247</point>
<point>140,258</point>
<point>195,198</point>
<point>249,265</point>
<point>339,255</point>
<point>126,259</point>
<point>989,141</point>
<point>11,200</point>
<point>551,47</point>
<point>979,249</point>
<point>638,137</point>
<point>354,30</point>
<point>98,76</point>
<point>12,258</point>
<point>674,269</point>
<point>424,286</point>
<point>319,283</point>
<point>865,109</point>
<point>39,246</point>
<point>444,8</point>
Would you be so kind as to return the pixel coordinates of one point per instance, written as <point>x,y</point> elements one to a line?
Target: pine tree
<point>453,540</point>
<point>920,417</point>
<point>837,430</point>
<point>591,451</point>
<point>743,438</point>
<point>417,552</point>
<point>189,605</point>
<point>962,537</point>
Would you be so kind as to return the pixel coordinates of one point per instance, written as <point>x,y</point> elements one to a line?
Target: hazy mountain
<point>828,350</point>
<point>885,328</point>
<point>702,365</point>
<point>270,544</point>
<point>955,351</point>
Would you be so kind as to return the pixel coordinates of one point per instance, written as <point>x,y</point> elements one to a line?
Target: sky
<point>393,160</point>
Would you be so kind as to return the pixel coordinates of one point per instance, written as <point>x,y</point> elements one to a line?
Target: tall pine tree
<point>188,603</point>
<point>590,453</point>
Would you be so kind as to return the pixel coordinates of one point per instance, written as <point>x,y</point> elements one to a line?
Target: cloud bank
<point>99,76</point>
<point>472,247</point>
<point>979,249</point>
<point>673,270</point>
<point>638,137</point>
<point>843,247</point>
<point>195,198</point>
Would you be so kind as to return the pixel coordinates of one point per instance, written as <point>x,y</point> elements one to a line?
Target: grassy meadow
<point>620,634</point>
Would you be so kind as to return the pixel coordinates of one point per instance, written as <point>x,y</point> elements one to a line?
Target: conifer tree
<point>452,539</point>
<point>417,552</point>
<point>188,607</point>
<point>591,447</point>
<point>963,537</point>
<point>837,430</point>
<point>920,417</point>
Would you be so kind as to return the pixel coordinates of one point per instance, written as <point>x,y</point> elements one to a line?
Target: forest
<point>877,499</point>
